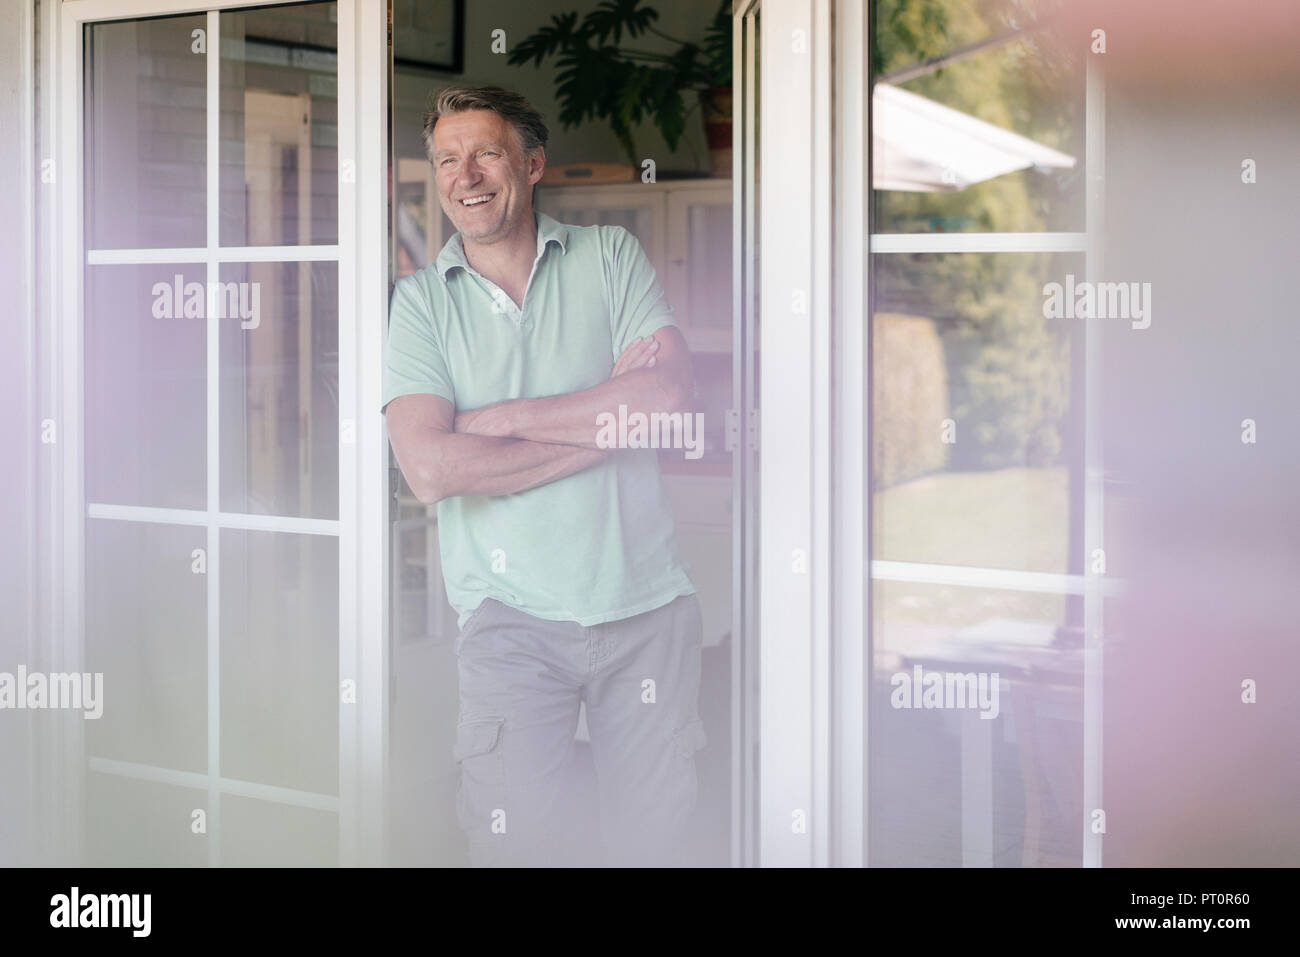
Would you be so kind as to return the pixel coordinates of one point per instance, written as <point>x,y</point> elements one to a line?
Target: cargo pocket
<point>687,740</point>
<point>482,772</point>
<point>478,748</point>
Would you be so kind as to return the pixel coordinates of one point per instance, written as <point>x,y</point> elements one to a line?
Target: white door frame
<point>796,273</point>
<point>816,572</point>
<point>362,526</point>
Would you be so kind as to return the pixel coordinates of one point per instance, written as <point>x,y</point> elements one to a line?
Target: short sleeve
<point>414,361</point>
<point>638,303</point>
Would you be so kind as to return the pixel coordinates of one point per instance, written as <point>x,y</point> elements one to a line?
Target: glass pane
<point>279,126</point>
<point>132,823</point>
<point>146,134</point>
<point>279,389</point>
<point>280,659</point>
<point>146,632</point>
<point>708,265</point>
<point>991,142</point>
<point>264,834</point>
<point>976,420</point>
<point>421,227</point>
<point>952,787</point>
<point>419,597</point>
<point>146,385</point>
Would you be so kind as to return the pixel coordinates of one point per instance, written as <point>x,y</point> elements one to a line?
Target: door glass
<point>708,265</point>
<point>987,142</point>
<point>279,659</point>
<point>279,126</point>
<point>146,614</point>
<point>212,438</point>
<point>975,434</point>
<point>280,389</point>
<point>977,446</point>
<point>145,173</point>
<point>146,385</point>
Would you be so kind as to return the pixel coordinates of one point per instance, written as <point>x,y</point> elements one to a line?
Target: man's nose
<point>470,171</point>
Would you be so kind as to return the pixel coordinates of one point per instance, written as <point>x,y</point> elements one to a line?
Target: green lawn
<point>1015,518</point>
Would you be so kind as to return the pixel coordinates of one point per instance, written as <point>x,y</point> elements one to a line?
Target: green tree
<point>1008,367</point>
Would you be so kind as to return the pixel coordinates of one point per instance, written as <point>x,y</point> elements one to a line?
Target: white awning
<point>924,146</point>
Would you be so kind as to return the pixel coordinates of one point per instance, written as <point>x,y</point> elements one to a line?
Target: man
<point>558,554</point>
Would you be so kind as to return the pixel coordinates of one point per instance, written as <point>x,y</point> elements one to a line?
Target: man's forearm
<point>574,419</point>
<point>480,465</point>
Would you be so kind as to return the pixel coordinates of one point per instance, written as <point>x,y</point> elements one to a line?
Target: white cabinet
<point>684,227</point>
<point>698,262</point>
<point>638,210</point>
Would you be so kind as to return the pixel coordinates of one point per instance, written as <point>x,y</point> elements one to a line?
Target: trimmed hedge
<point>910,399</point>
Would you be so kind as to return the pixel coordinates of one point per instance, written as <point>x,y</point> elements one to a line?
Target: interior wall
<point>590,142</point>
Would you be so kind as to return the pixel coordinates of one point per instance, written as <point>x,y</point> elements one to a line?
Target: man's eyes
<point>452,159</point>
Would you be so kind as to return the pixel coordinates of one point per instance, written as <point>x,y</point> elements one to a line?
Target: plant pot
<point>715,107</point>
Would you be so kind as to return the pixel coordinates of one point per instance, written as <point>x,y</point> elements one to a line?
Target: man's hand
<point>640,354</point>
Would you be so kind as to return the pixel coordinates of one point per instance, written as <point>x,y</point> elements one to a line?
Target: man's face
<point>477,154</point>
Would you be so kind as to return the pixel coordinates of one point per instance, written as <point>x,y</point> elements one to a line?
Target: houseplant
<point>601,79</point>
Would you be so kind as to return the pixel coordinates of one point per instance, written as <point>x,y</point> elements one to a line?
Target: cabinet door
<point>699,264</point>
<point>640,210</point>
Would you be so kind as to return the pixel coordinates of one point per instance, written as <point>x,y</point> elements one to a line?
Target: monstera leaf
<point>600,78</point>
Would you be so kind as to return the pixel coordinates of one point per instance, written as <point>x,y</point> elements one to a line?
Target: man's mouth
<point>477,200</point>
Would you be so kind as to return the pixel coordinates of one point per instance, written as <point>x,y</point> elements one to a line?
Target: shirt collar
<point>548,231</point>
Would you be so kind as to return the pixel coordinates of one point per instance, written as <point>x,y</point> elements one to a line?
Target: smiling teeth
<point>476,200</point>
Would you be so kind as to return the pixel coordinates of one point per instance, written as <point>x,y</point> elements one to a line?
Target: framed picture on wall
<point>429,34</point>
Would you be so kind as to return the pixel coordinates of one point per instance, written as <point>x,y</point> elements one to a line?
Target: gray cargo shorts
<point>521,681</point>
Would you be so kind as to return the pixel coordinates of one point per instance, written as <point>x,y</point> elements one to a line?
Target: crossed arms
<point>520,444</point>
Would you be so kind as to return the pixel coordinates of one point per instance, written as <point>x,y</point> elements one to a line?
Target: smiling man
<point>558,555</point>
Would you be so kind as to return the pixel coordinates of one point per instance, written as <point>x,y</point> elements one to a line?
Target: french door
<point>932,484</point>
<point>221,463</point>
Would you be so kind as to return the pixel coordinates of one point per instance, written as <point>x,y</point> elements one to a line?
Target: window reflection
<point>991,140</point>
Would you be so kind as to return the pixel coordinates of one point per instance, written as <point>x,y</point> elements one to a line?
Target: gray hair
<point>512,107</point>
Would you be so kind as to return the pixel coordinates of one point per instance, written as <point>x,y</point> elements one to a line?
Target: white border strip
<point>820,555</point>
<point>850,438</point>
<point>979,242</point>
<point>204,782</point>
<point>792,437</point>
<point>67,350</point>
<point>1007,579</point>
<point>364,501</point>
<point>213,340</point>
<point>215,253</point>
<point>1094,481</point>
<point>181,516</point>
<point>348,719</point>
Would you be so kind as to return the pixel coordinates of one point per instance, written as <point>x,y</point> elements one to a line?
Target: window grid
<point>213,519</point>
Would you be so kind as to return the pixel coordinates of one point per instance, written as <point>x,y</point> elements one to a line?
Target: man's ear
<point>536,165</point>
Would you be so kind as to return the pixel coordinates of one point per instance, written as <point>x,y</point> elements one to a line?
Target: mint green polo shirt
<point>592,547</point>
